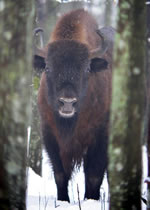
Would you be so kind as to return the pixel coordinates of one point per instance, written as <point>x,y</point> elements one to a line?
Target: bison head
<point>68,65</point>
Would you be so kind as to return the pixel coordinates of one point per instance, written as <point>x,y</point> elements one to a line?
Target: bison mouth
<point>67,109</point>
<point>66,114</point>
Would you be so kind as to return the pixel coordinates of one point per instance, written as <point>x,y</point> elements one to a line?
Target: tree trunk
<point>15,80</point>
<point>148,94</point>
<point>35,143</point>
<point>127,111</point>
<point>108,12</point>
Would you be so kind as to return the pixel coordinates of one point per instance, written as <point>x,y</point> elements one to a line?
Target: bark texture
<point>148,92</point>
<point>15,80</point>
<point>127,111</point>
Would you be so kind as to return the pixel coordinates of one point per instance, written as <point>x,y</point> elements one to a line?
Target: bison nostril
<point>65,101</point>
<point>61,103</point>
<point>74,103</point>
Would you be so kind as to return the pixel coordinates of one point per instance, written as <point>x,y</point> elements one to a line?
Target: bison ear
<point>98,64</point>
<point>38,62</point>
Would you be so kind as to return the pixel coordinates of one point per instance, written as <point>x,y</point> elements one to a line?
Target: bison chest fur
<point>74,99</point>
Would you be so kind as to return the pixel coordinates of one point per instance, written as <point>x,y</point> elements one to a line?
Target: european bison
<point>74,99</point>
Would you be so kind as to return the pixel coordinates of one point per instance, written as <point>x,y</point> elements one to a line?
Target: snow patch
<point>42,193</point>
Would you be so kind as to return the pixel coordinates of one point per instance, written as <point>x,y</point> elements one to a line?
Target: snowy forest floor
<point>42,193</point>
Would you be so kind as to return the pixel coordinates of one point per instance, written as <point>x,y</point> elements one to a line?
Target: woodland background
<point>129,127</point>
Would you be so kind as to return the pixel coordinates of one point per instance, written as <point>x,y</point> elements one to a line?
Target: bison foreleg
<point>95,163</point>
<point>61,178</point>
<point>62,186</point>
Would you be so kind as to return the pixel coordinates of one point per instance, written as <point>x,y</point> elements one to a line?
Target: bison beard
<point>74,99</point>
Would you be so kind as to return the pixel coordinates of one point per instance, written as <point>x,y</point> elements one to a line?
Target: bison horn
<point>39,51</point>
<point>107,37</point>
<point>102,49</point>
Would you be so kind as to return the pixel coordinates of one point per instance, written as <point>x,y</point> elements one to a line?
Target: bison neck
<point>66,127</point>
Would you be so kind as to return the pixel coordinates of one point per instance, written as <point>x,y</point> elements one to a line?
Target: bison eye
<point>47,69</point>
<point>87,70</point>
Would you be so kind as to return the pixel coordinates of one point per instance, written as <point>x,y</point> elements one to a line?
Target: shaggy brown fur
<point>77,25</point>
<point>89,137</point>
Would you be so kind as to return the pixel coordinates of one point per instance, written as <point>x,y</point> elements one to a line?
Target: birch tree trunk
<point>15,80</point>
<point>108,12</point>
<point>127,109</point>
<point>35,141</point>
<point>148,93</point>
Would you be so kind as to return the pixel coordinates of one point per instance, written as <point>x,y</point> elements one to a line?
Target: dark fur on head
<point>67,51</point>
<point>67,67</point>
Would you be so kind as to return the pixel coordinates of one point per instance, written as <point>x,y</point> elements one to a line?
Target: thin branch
<point>78,197</point>
<point>39,201</point>
<point>56,204</point>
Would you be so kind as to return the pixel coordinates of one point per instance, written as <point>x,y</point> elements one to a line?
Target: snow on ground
<point>41,193</point>
<point>145,172</point>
